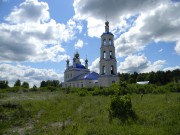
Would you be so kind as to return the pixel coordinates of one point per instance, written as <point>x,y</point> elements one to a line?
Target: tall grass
<point>45,112</point>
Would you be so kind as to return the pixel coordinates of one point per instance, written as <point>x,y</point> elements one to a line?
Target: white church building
<point>78,75</point>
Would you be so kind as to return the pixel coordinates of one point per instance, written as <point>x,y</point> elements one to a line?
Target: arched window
<point>81,84</point>
<point>112,69</point>
<point>110,42</point>
<point>110,54</point>
<point>103,70</point>
<point>104,54</point>
<point>104,42</point>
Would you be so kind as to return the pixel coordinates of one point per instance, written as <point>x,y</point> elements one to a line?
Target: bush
<point>82,92</point>
<point>121,107</point>
<point>173,87</point>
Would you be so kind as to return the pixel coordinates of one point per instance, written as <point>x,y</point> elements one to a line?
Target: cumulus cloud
<point>159,24</point>
<point>26,73</point>
<point>171,68</point>
<point>31,35</point>
<point>30,11</point>
<point>135,63</point>
<point>177,47</point>
<point>113,9</point>
<point>79,44</point>
<point>95,65</point>
<point>134,23</point>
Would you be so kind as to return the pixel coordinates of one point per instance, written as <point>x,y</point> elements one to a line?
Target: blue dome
<point>80,66</point>
<point>91,76</point>
<point>107,33</point>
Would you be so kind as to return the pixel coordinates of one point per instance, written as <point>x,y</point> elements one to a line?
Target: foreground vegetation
<point>85,112</point>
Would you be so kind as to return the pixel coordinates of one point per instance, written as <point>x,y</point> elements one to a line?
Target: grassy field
<point>57,113</point>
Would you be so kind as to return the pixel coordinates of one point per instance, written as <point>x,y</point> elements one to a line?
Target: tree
<point>43,84</point>
<point>25,85</point>
<point>3,84</point>
<point>140,78</point>
<point>56,83</point>
<point>17,83</point>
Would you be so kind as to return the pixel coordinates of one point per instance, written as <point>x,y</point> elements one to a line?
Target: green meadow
<point>61,113</point>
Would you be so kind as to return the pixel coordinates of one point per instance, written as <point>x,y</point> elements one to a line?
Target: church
<point>78,75</point>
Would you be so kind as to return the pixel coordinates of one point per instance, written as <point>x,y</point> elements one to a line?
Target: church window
<point>110,42</point>
<point>104,70</point>
<point>110,54</point>
<point>104,55</point>
<point>82,84</point>
<point>112,70</point>
<point>104,42</point>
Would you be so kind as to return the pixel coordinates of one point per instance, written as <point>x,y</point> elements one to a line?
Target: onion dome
<point>106,23</point>
<point>67,60</point>
<point>77,55</point>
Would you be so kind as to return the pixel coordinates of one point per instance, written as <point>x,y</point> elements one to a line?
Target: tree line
<point>18,83</point>
<point>159,77</point>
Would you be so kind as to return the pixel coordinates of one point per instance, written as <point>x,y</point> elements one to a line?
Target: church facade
<point>78,75</point>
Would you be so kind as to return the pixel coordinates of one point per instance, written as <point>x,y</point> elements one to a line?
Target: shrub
<point>173,87</point>
<point>82,92</point>
<point>121,107</point>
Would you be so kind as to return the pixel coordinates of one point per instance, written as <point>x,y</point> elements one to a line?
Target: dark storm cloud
<point>113,8</point>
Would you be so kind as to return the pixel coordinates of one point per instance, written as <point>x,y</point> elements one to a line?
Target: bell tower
<point>108,64</point>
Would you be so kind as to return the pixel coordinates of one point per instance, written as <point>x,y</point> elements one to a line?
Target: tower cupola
<point>67,63</point>
<point>86,63</point>
<point>106,26</point>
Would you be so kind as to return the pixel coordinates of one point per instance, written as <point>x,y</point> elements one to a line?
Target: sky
<point>37,36</point>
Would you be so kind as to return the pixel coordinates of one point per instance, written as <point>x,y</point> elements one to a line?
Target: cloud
<point>95,65</point>
<point>26,73</point>
<point>159,24</point>
<point>171,68</point>
<point>135,24</point>
<point>30,11</point>
<point>160,50</point>
<point>177,47</point>
<point>135,63</point>
<point>31,35</point>
<point>79,44</point>
<point>113,9</point>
